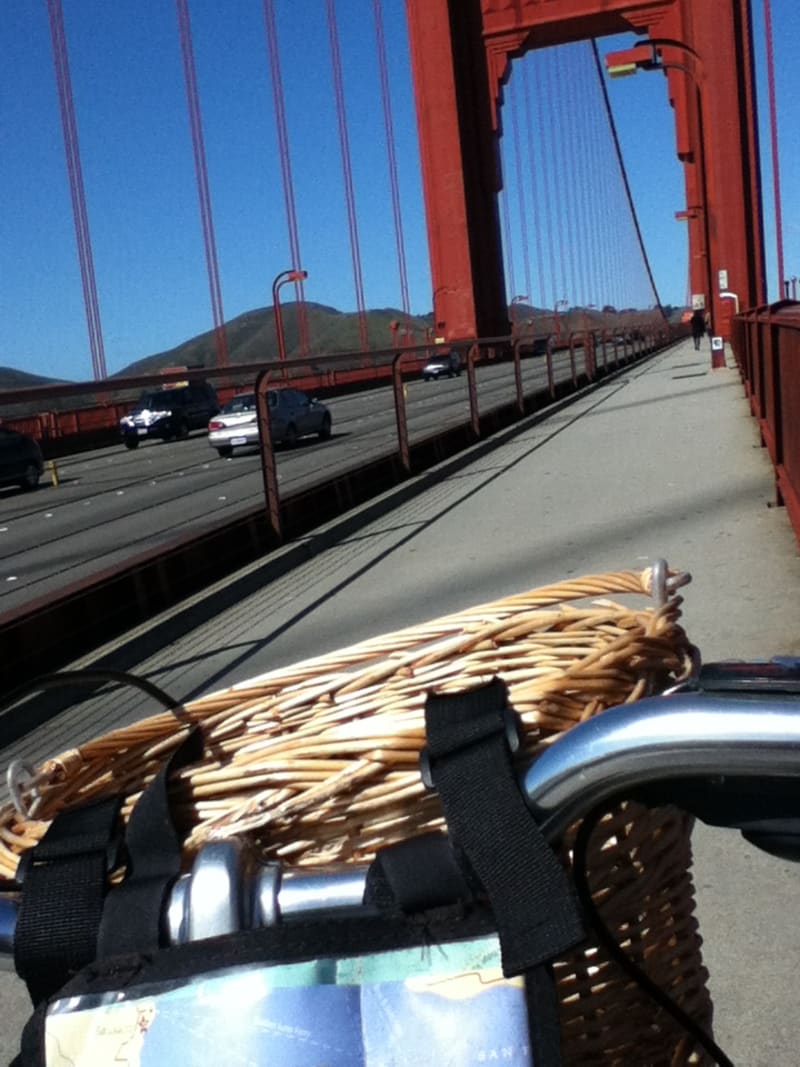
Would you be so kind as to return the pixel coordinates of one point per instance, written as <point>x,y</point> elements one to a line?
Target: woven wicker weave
<point>318,763</point>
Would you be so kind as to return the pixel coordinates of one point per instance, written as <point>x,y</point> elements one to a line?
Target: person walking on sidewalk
<point>698,324</point>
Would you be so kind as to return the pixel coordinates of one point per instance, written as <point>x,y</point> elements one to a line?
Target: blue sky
<point>140,184</point>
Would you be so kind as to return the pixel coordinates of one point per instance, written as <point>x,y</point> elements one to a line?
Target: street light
<point>556,321</point>
<point>516,300</point>
<point>292,275</point>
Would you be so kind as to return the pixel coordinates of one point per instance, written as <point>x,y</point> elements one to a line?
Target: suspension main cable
<point>624,174</point>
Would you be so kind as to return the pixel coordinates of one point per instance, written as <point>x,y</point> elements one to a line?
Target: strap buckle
<point>54,851</point>
<point>512,728</point>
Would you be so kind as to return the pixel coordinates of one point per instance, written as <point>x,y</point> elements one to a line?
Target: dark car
<point>20,459</point>
<point>169,413</point>
<point>446,365</point>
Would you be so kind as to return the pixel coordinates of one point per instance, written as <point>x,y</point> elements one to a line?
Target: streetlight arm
<point>293,274</point>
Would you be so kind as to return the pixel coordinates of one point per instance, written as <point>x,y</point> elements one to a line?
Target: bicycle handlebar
<point>662,739</point>
<point>713,737</point>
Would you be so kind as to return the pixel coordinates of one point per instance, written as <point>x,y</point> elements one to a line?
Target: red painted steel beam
<point>460,172</point>
<point>461,50</point>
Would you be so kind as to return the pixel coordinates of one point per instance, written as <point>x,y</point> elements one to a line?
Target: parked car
<point>20,459</point>
<point>440,366</point>
<point>169,413</point>
<point>292,414</point>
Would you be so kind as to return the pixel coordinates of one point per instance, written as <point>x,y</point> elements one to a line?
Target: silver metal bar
<point>662,739</point>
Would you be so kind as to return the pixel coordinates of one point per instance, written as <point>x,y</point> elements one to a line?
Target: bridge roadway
<point>112,504</point>
<point>661,462</point>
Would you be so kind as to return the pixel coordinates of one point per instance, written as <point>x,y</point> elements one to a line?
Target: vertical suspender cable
<point>773,131</point>
<point>286,168</point>
<point>77,194</point>
<point>586,182</point>
<point>609,240</point>
<point>523,222</point>
<point>201,172</point>
<point>344,142</point>
<point>629,196</point>
<point>532,164</point>
<point>590,186</point>
<point>545,152</point>
<point>564,55</point>
<point>508,247</point>
<point>392,159</point>
<point>554,150</point>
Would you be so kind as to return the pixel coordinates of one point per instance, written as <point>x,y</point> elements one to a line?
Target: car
<point>441,366</point>
<point>292,414</point>
<point>169,413</point>
<point>21,460</point>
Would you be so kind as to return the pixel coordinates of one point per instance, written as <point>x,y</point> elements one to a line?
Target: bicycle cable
<point>616,952</point>
<point>87,677</point>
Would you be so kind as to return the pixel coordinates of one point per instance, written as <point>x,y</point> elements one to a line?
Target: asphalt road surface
<point>113,504</point>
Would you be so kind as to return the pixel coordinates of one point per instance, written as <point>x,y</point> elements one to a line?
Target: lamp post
<point>291,275</point>
<point>515,300</point>
<point>556,321</point>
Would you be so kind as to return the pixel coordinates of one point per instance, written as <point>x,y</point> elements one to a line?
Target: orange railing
<point>766,344</point>
<point>80,415</point>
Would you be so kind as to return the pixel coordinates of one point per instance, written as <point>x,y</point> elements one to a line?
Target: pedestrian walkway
<point>662,460</point>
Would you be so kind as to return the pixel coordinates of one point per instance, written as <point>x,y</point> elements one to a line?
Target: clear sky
<point>140,185</point>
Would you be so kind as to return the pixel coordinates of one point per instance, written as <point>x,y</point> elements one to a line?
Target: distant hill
<point>252,337</point>
<point>20,379</point>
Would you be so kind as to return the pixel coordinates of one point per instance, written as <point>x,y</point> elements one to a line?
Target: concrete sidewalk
<point>663,461</point>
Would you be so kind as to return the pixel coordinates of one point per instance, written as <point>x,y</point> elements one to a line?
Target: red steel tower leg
<point>459,167</point>
<point>460,50</point>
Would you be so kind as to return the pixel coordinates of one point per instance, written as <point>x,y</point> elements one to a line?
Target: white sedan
<point>292,414</point>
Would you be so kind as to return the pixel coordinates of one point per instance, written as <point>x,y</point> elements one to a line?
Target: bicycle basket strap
<point>64,881</point>
<point>469,760</point>
<point>132,914</point>
<point>67,917</point>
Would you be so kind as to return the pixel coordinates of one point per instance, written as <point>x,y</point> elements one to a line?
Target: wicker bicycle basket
<point>318,764</point>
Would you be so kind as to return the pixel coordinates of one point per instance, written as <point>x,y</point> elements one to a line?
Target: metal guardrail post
<point>269,467</point>
<point>400,412</point>
<point>572,366</point>
<point>588,355</point>
<point>472,385</point>
<point>549,357</point>
<point>518,376</point>
<point>605,351</point>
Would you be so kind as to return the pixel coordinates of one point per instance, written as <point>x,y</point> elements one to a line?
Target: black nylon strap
<point>416,875</point>
<point>64,880</point>
<point>533,902</point>
<point>133,912</point>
